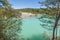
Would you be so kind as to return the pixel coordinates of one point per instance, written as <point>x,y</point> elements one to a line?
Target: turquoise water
<point>37,25</point>
<point>31,26</point>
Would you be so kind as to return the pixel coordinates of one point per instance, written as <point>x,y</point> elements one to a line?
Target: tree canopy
<point>53,4</point>
<point>8,29</point>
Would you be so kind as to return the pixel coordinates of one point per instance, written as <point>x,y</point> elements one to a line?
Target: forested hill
<point>39,10</point>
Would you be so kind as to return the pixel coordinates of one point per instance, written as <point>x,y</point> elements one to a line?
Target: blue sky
<point>24,3</point>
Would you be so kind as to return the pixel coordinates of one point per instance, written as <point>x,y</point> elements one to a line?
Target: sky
<point>19,4</point>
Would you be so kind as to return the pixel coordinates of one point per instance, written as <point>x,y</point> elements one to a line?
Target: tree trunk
<point>56,22</point>
<point>56,33</point>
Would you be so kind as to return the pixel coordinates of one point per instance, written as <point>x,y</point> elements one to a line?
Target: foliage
<point>47,21</point>
<point>8,22</point>
<point>13,27</point>
<point>53,4</point>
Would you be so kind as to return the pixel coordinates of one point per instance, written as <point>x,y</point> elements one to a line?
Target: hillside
<point>39,10</point>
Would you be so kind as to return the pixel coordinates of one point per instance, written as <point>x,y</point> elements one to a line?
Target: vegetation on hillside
<point>49,11</point>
